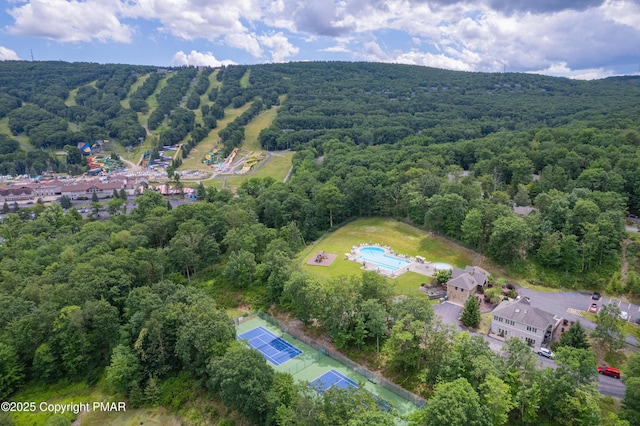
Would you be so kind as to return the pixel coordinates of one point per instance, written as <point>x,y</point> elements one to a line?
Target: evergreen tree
<point>94,198</point>
<point>5,208</point>
<point>123,194</point>
<point>471,313</point>
<point>65,202</point>
<point>136,396</point>
<point>115,193</point>
<point>575,337</point>
<point>152,391</point>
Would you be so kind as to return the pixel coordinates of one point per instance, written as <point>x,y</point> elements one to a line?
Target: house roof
<point>469,277</point>
<point>521,311</point>
<point>465,280</point>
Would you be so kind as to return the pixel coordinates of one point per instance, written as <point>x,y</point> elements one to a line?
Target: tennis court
<point>312,364</point>
<point>334,378</point>
<point>276,350</point>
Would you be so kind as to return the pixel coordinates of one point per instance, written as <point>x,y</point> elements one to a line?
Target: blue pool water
<point>378,257</point>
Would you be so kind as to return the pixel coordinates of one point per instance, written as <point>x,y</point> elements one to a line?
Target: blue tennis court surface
<point>334,378</point>
<point>276,350</point>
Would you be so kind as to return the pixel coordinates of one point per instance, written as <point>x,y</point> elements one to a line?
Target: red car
<point>608,371</point>
<point>593,308</point>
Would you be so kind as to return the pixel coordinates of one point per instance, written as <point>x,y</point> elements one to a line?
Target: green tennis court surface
<point>311,365</point>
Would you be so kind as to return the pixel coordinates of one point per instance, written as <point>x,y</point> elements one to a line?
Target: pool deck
<point>415,265</point>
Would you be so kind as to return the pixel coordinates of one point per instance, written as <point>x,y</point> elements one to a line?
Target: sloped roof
<point>469,277</point>
<point>521,311</point>
<point>465,280</point>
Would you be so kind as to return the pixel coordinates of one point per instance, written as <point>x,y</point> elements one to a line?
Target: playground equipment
<point>232,156</point>
<point>88,148</point>
<point>211,157</point>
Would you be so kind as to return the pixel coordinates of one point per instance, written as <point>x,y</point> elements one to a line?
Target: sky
<point>584,39</point>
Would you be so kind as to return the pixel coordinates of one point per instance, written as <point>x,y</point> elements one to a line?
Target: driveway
<point>569,305</point>
<point>557,303</point>
<point>448,312</point>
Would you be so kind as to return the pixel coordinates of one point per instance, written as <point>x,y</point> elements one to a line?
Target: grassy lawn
<point>402,238</point>
<point>277,167</point>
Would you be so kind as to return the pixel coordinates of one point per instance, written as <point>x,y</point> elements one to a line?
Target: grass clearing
<point>244,80</point>
<point>277,167</point>
<point>194,160</point>
<point>22,139</point>
<point>71,99</point>
<point>139,82</point>
<point>152,102</point>
<point>255,126</point>
<point>401,237</point>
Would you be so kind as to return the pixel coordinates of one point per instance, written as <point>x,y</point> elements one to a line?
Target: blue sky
<point>584,39</point>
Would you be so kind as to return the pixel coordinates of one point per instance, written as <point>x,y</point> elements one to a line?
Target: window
<point>532,329</point>
<point>529,341</point>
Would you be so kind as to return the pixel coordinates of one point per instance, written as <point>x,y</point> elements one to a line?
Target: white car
<point>546,352</point>
<point>624,315</point>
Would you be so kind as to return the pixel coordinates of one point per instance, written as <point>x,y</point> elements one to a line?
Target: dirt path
<point>134,167</point>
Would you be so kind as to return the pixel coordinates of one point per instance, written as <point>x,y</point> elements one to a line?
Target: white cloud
<point>70,21</point>
<point>624,12</point>
<point>562,70</point>
<point>244,41</point>
<point>279,46</point>
<point>338,48</point>
<point>198,59</point>
<point>8,54</point>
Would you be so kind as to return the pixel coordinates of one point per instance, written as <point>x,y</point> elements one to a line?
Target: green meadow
<point>401,237</point>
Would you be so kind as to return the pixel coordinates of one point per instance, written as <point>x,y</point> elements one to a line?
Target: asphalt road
<point>556,303</point>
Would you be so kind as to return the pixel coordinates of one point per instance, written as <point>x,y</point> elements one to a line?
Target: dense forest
<point>136,302</point>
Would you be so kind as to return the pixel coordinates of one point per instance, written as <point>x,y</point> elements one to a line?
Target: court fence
<point>331,353</point>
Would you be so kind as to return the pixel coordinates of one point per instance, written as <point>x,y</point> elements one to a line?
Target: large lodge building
<point>52,190</point>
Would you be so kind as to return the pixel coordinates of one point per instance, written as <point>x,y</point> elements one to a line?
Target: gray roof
<point>465,281</point>
<point>521,311</point>
<point>523,210</point>
<point>469,277</point>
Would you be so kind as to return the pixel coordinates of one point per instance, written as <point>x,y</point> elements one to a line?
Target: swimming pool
<point>439,266</point>
<point>380,258</point>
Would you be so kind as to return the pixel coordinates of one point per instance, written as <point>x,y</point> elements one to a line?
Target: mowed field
<point>277,167</point>
<point>402,238</point>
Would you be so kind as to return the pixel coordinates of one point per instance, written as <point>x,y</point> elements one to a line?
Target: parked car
<point>624,315</point>
<point>608,371</point>
<point>593,308</point>
<point>546,352</point>
<point>595,295</point>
